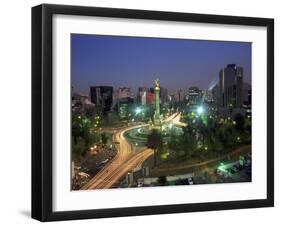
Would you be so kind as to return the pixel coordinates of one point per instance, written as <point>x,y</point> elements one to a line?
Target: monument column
<point>157,102</point>
<point>157,119</point>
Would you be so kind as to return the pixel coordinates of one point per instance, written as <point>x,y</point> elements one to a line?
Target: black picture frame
<point>42,111</point>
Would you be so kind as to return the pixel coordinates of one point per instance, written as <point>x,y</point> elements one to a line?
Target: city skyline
<point>123,140</point>
<point>136,62</point>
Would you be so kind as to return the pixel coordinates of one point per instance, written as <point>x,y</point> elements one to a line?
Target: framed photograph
<point>145,112</point>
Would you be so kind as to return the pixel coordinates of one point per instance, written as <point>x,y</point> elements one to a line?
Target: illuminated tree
<point>104,138</point>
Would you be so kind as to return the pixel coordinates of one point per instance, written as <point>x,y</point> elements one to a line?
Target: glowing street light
<point>138,110</point>
<point>200,110</point>
<point>222,168</point>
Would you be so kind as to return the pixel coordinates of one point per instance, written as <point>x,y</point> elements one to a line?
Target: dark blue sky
<point>135,61</point>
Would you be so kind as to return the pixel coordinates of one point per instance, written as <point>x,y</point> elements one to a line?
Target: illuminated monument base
<point>139,135</point>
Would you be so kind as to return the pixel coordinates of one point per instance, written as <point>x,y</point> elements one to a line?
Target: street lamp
<point>170,125</point>
<point>200,110</point>
<point>138,110</point>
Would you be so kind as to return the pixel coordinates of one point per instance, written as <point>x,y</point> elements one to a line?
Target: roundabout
<point>126,139</point>
<point>138,136</point>
<point>166,127</point>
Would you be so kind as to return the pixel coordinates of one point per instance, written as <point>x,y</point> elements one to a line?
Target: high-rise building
<point>102,96</point>
<point>239,86</point>
<point>124,107</point>
<point>247,93</point>
<point>194,95</point>
<point>124,92</point>
<point>150,96</point>
<point>181,96</point>
<point>143,98</point>
<point>141,95</point>
<point>231,86</point>
<point>216,94</point>
<point>249,99</point>
<point>163,95</point>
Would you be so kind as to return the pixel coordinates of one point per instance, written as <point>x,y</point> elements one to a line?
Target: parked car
<point>190,180</point>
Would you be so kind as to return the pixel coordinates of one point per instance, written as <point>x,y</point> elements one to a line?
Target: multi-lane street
<point>176,120</point>
<point>125,159</point>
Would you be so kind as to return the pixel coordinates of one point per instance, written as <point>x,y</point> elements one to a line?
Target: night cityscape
<point>159,112</point>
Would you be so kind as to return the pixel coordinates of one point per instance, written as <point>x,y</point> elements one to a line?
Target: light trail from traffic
<point>124,161</point>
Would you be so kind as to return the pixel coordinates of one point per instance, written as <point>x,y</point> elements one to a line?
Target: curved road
<point>124,161</point>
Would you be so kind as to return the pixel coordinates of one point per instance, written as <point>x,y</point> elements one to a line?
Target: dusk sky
<point>134,61</point>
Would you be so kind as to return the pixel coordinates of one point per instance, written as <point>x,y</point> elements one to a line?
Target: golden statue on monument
<point>157,84</point>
